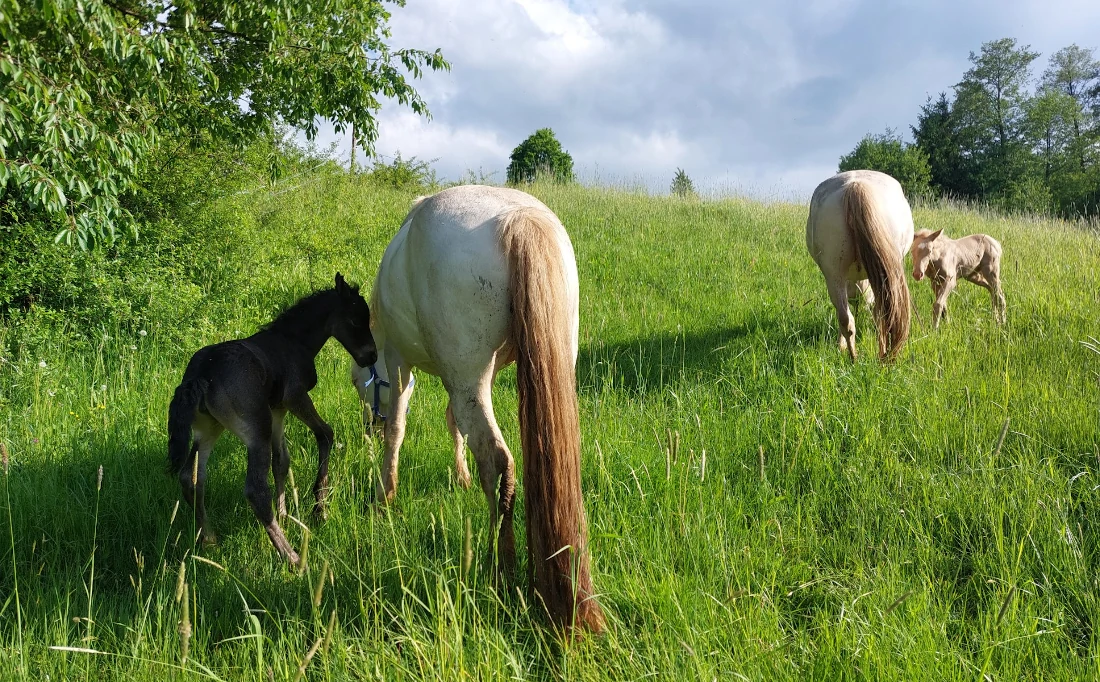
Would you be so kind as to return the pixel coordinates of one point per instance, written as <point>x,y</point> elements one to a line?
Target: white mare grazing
<point>859,229</point>
<point>479,277</point>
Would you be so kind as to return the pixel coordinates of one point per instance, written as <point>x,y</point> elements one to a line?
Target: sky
<point>752,98</point>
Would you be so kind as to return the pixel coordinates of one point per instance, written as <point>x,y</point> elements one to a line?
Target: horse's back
<point>827,235</point>
<point>443,287</point>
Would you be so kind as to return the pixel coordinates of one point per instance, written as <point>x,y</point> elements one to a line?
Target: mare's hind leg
<point>862,288</point>
<point>838,294</point>
<point>193,476</point>
<point>473,414</point>
<point>462,472</point>
<point>400,393</point>
<point>303,409</point>
<point>280,460</point>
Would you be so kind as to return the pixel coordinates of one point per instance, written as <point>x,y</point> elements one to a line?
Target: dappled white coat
<point>441,296</point>
<point>445,303</point>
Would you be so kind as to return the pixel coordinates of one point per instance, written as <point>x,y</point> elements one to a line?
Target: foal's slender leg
<point>838,294</point>
<point>303,409</point>
<point>206,433</point>
<point>280,460</point>
<point>473,413</point>
<point>400,393</point>
<point>996,294</point>
<point>256,433</point>
<point>462,472</point>
<point>939,306</point>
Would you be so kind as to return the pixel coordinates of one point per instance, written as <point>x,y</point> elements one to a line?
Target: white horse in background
<point>859,229</point>
<point>479,277</point>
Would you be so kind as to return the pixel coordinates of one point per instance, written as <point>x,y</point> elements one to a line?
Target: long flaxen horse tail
<point>884,265</point>
<point>181,413</point>
<point>549,421</point>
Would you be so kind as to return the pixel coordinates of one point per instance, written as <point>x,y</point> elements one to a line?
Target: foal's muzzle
<point>367,358</point>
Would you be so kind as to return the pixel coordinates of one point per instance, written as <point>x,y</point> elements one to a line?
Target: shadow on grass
<point>65,519</point>
<point>656,362</point>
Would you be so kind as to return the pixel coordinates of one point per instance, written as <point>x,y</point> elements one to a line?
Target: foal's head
<point>351,323</point>
<point>924,250</point>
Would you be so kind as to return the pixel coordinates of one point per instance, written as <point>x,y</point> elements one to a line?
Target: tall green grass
<point>760,508</point>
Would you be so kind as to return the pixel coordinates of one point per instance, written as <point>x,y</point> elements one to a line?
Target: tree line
<point>1002,136</point>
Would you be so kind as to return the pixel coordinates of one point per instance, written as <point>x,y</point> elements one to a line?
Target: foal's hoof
<point>294,562</point>
<point>384,498</point>
<point>320,512</point>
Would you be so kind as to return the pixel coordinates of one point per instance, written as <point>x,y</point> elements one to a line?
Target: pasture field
<point>759,507</point>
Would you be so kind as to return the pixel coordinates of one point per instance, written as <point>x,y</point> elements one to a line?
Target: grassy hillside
<point>760,508</point>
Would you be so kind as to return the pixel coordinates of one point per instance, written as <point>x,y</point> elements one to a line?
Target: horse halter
<point>379,384</point>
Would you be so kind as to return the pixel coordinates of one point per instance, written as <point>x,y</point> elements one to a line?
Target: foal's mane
<point>305,313</point>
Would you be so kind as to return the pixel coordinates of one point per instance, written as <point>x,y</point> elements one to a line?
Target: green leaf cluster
<point>887,153</point>
<point>540,156</point>
<point>89,87</point>
<point>1006,138</point>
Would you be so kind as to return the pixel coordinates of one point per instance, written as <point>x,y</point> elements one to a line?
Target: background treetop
<point>1005,138</point>
<point>540,155</point>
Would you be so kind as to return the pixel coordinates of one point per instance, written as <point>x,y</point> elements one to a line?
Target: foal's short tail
<point>884,266</point>
<point>181,412</point>
<point>557,535</point>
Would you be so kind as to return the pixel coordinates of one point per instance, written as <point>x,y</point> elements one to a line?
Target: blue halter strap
<point>380,383</point>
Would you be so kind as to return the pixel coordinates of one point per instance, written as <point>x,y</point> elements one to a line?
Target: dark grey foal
<point>248,386</point>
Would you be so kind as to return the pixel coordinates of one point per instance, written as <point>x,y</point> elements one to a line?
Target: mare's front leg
<point>838,294</point>
<point>302,408</point>
<point>863,288</point>
<point>400,393</point>
<point>462,472</point>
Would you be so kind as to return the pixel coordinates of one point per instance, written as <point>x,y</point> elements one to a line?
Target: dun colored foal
<point>976,258</point>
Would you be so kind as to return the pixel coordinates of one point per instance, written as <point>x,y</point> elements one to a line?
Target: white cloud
<point>757,97</point>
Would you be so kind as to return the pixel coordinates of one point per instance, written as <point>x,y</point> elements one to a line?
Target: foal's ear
<point>932,237</point>
<point>342,287</point>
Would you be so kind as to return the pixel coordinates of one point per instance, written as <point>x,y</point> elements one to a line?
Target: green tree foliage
<point>88,87</point>
<point>906,163</point>
<point>1014,142</point>
<point>989,112</point>
<point>540,155</point>
<point>953,172</point>
<point>682,186</point>
<point>401,173</point>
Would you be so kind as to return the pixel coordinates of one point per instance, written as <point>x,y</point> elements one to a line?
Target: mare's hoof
<point>320,512</point>
<point>209,539</point>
